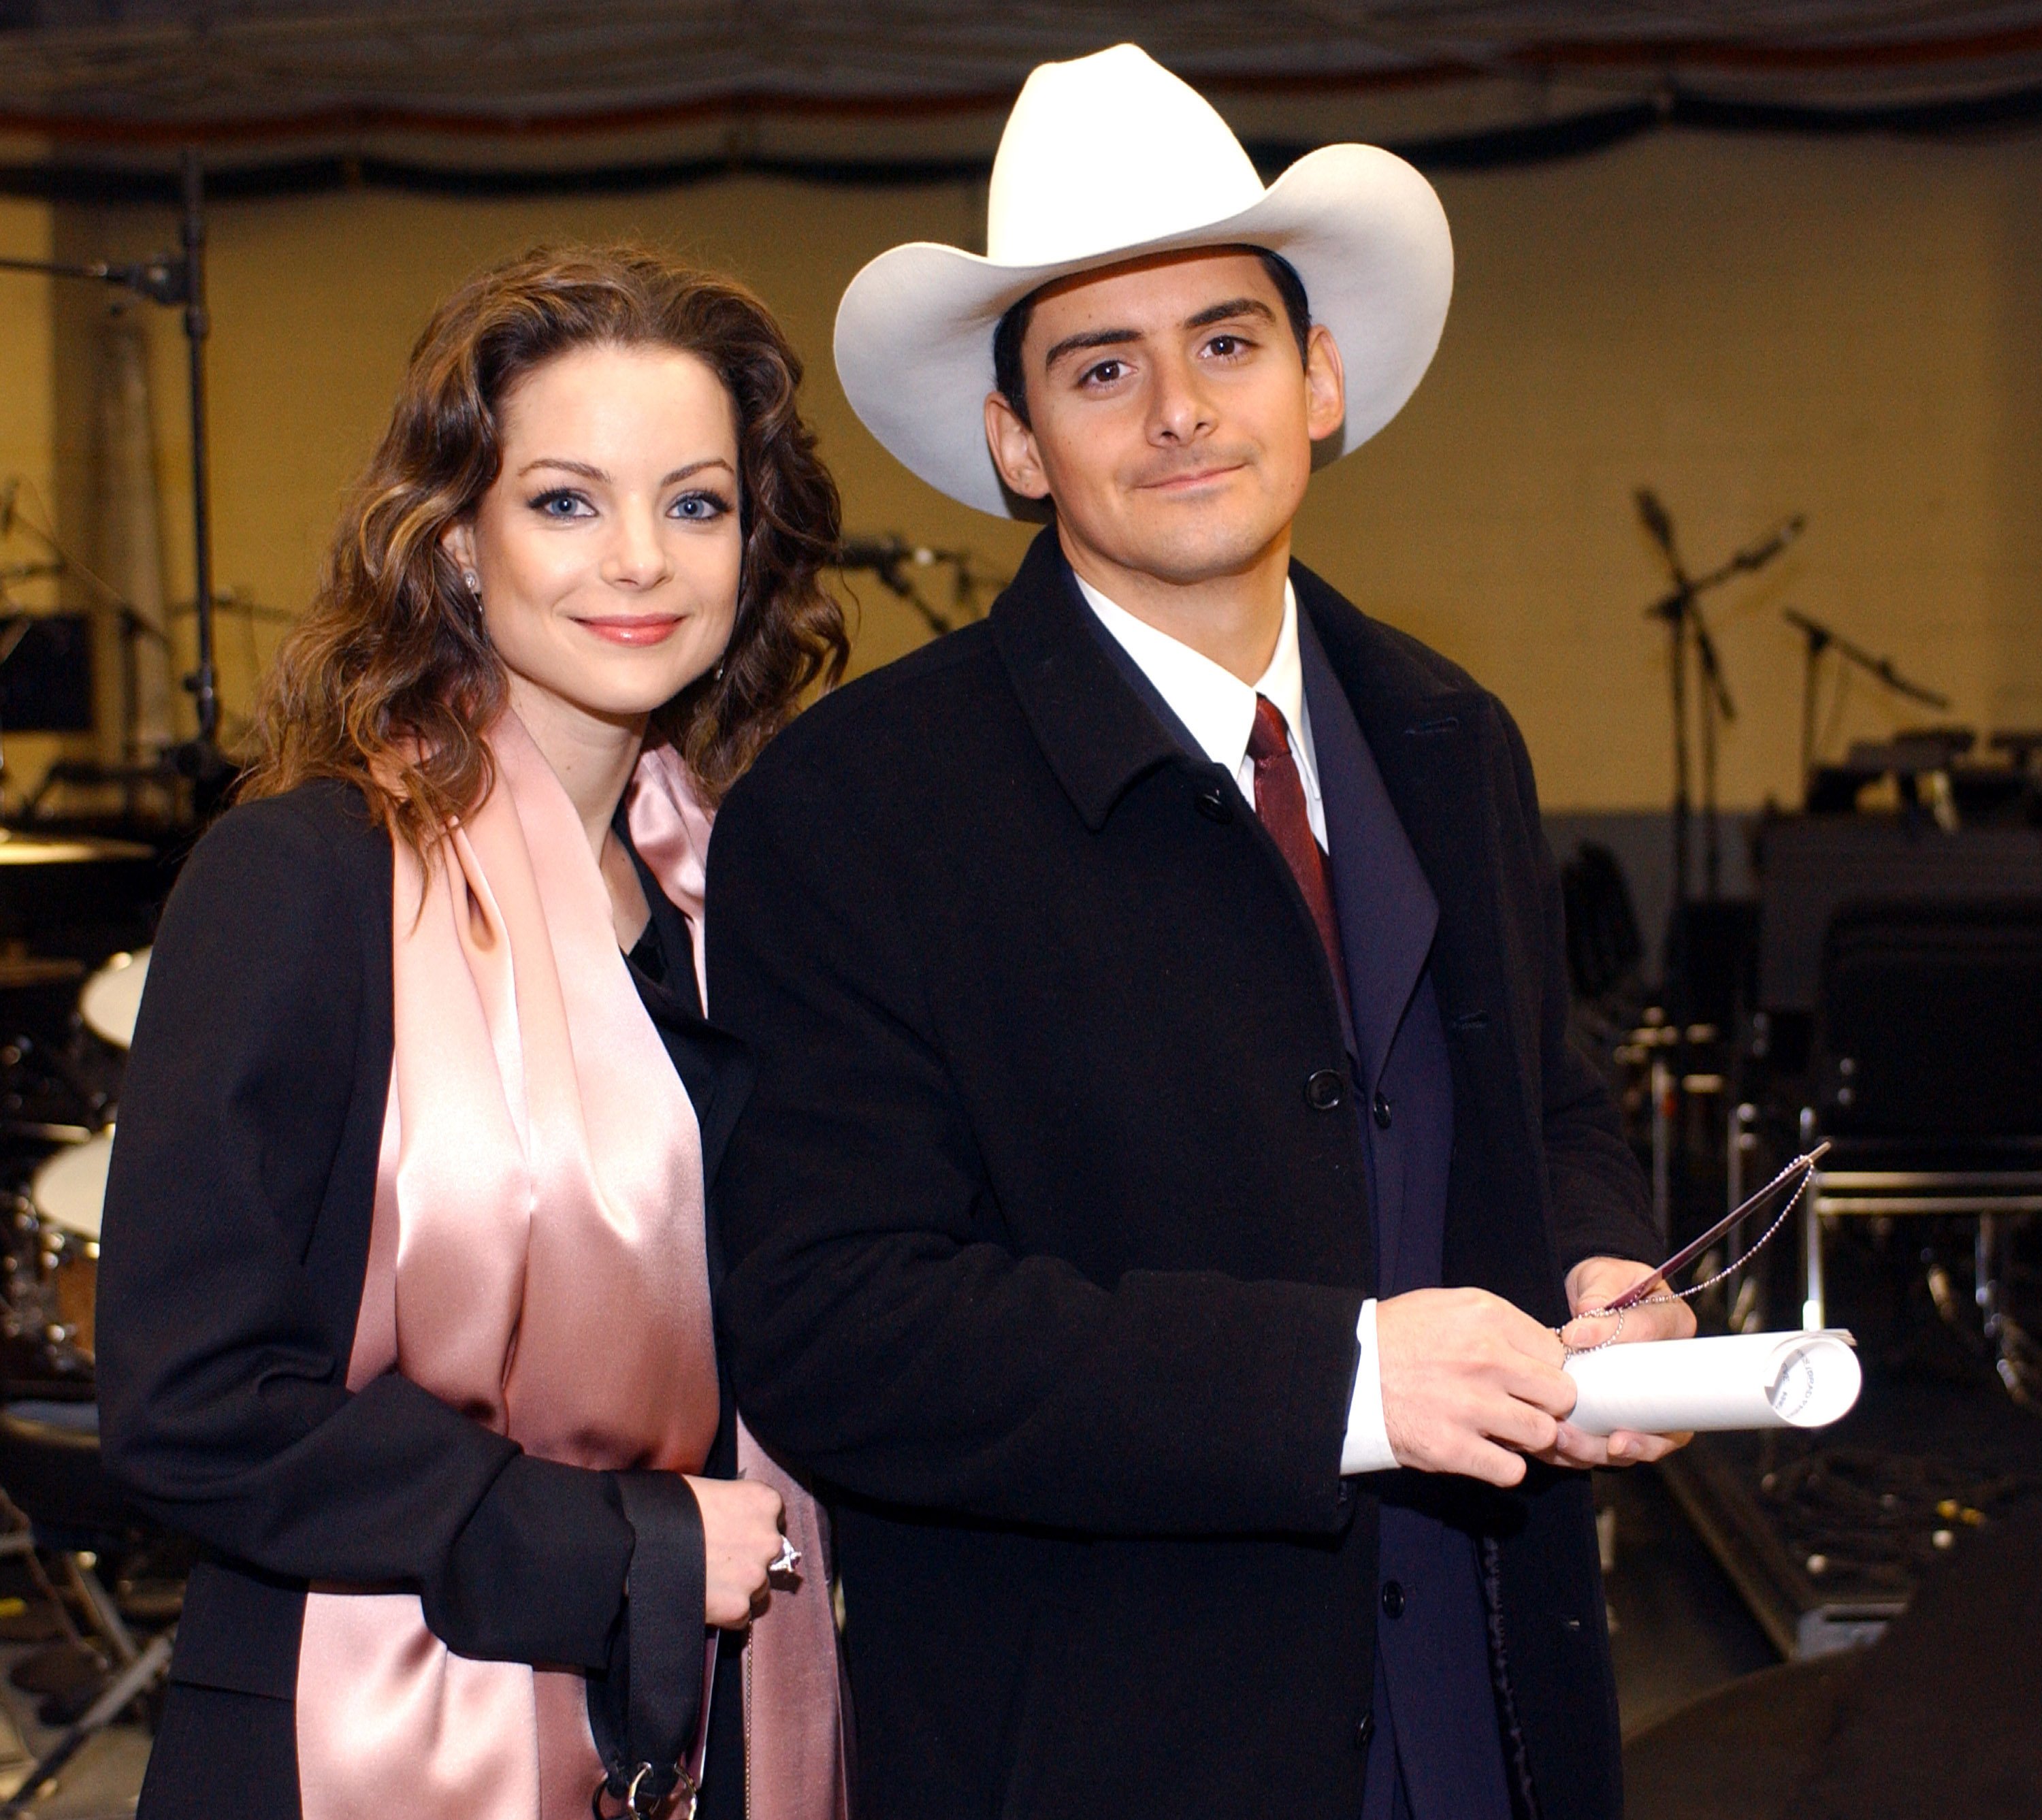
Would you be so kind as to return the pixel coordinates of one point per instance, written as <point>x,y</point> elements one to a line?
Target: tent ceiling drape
<point>509,96</point>
<point>66,66</point>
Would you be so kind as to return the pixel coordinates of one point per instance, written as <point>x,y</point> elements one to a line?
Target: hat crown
<point>1106,151</point>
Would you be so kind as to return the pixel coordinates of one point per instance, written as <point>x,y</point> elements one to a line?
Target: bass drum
<point>65,1197</point>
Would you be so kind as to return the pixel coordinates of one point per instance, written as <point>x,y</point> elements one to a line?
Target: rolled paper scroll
<point>1733,1381</point>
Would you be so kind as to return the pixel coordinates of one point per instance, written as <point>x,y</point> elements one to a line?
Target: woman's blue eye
<point>700,506</point>
<point>563,504</point>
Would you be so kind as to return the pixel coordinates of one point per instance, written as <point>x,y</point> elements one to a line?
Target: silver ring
<point>787,1560</point>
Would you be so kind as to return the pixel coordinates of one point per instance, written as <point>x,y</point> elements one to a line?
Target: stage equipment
<point>1927,1078</point>
<point>112,998</point>
<point>1604,945</point>
<point>62,1216</point>
<point>1680,610</point>
<point>890,556</point>
<point>1810,867</point>
<point>177,281</point>
<point>72,686</point>
<point>45,671</point>
<point>50,1464</point>
<point>1819,638</point>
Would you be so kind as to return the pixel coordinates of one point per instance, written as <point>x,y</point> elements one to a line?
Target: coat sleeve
<point>231,1266</point>
<point>1600,1199</point>
<point>881,1331</point>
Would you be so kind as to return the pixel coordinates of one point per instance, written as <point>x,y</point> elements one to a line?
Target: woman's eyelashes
<point>699,505</point>
<point>561,502</point>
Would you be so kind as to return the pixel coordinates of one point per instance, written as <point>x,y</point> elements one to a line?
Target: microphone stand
<point>178,281</point>
<point>1817,638</point>
<point>1682,611</point>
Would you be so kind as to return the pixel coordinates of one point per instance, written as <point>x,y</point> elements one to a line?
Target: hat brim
<point>1364,230</point>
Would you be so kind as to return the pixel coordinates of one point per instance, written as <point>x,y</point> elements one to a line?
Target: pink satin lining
<point>794,1709</point>
<point>536,1260</point>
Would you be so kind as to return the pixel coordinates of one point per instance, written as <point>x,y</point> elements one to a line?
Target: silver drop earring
<point>474,582</point>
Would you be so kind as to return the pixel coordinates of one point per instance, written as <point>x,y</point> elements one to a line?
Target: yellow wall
<point>27,452</point>
<point>1853,329</point>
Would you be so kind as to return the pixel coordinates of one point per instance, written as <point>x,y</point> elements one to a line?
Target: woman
<point>405,1296</point>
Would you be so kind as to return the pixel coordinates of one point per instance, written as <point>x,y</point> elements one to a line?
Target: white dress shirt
<point>1217,709</point>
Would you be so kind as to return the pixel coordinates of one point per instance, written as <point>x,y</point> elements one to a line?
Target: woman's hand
<point>740,1537</point>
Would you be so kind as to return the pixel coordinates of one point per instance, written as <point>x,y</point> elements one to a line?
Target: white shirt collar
<point>1217,708</point>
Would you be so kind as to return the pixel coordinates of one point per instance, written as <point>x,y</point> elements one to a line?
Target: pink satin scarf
<point>536,1260</point>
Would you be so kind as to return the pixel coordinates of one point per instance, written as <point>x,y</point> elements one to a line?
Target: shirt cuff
<point>1366,1448</point>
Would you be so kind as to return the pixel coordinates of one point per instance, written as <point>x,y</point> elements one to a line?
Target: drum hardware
<point>177,281</point>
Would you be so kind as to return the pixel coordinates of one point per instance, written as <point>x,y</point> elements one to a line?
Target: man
<point>1158,998</point>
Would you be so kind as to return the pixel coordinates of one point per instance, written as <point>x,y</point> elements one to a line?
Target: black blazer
<point>235,1244</point>
<point>1044,1257</point>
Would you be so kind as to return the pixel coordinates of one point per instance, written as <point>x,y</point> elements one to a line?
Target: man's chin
<point>1194,561</point>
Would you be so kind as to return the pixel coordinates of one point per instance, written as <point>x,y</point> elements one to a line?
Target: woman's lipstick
<point>634,628</point>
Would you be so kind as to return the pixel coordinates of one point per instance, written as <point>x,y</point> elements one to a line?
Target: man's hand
<point>1595,1282</point>
<point>1470,1385</point>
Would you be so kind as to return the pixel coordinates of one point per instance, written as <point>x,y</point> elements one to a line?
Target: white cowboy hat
<point>1106,158</point>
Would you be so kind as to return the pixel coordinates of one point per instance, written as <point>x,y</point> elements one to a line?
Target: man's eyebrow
<point>592,473</point>
<point>1226,311</point>
<point>1093,338</point>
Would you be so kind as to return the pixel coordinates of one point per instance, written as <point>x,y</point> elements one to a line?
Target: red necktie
<point>1279,801</point>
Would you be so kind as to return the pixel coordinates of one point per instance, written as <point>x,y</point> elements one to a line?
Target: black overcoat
<point>238,1209</point>
<point>1044,1258</point>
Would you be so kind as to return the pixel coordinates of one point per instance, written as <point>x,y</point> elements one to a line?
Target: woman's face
<point>608,549</point>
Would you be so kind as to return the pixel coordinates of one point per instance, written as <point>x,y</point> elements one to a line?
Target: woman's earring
<point>474,582</point>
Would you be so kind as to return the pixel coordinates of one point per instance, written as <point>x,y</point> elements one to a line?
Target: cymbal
<point>17,849</point>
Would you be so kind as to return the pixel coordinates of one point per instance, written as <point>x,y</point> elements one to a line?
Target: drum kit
<point>58,1218</point>
<point>60,1074</point>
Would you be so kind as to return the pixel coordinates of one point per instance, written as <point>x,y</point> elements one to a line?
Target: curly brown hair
<point>389,681</point>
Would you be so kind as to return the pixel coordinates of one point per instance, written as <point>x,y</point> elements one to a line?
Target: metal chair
<point>1927,1082</point>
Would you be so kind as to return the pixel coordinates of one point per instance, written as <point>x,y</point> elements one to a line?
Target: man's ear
<point>1014,451</point>
<point>1325,384</point>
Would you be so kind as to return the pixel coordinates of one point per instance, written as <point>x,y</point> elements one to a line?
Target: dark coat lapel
<point>1097,734</point>
<point>1427,740</point>
<point>1386,910</point>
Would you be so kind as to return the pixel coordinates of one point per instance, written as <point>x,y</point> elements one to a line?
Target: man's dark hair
<point>1012,383</point>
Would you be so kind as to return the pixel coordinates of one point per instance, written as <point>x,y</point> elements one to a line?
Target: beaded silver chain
<point>1804,1164</point>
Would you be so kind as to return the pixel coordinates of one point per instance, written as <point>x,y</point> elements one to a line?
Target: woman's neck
<point>591,755</point>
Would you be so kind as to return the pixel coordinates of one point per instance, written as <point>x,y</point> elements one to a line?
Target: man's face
<point>1170,418</point>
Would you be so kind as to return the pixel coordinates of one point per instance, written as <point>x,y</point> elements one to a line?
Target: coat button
<point>1212,804</point>
<point>1364,1733</point>
<point>1322,1089</point>
<point>1392,1600</point>
<point>1381,1113</point>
